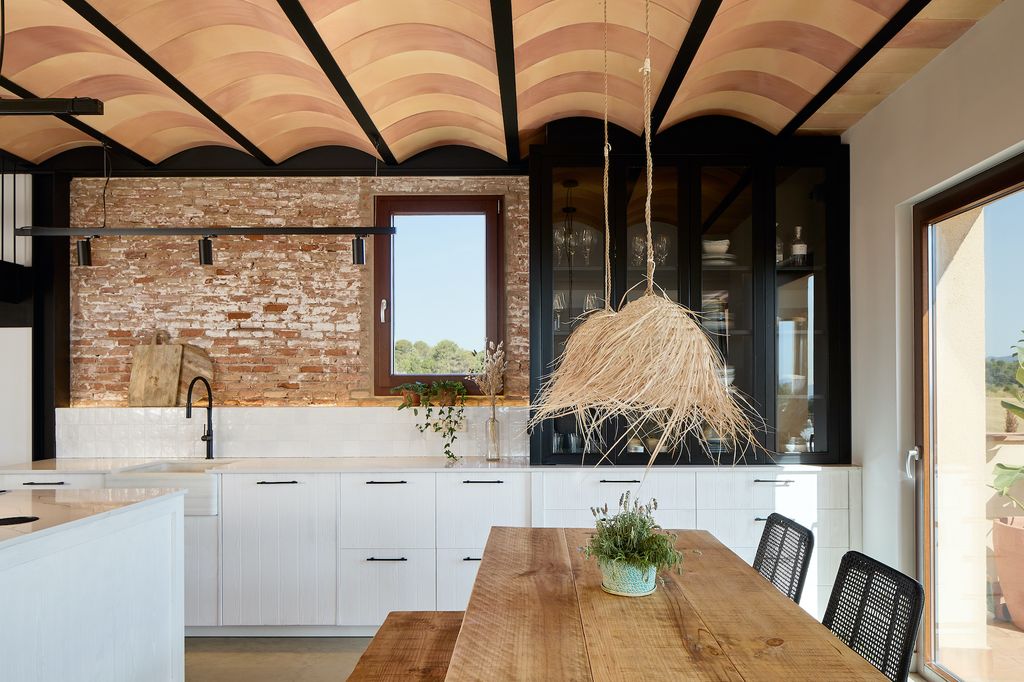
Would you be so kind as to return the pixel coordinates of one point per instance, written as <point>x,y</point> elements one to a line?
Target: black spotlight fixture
<point>206,251</point>
<point>358,250</point>
<point>84,248</point>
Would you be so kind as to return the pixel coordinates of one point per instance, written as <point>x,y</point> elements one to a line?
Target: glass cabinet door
<point>578,275</point>
<point>664,231</point>
<point>801,314</point>
<point>727,285</point>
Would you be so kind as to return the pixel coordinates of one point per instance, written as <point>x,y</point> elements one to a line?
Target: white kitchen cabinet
<point>394,509</point>
<point>374,582</point>
<point>470,503</point>
<point>279,549</point>
<point>590,487</point>
<point>50,481</point>
<point>202,570</point>
<point>456,572</point>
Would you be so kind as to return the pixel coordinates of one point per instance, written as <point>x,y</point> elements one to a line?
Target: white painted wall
<point>962,113</point>
<point>16,396</point>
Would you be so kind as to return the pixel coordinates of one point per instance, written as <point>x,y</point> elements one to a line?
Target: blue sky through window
<point>440,284</point>
<point>1004,274</point>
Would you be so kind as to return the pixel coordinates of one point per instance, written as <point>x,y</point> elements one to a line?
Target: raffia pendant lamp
<point>649,363</point>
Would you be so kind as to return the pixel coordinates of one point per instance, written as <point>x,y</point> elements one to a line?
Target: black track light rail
<point>40,231</point>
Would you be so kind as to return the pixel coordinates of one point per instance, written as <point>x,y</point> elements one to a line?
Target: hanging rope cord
<point>646,71</point>
<point>607,153</point>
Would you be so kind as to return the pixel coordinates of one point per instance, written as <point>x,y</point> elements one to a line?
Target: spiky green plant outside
<point>1006,476</point>
<point>632,537</point>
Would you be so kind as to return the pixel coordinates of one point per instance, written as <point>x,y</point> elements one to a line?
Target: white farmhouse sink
<point>203,496</point>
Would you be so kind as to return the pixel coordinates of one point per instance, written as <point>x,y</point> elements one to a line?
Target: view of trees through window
<point>444,357</point>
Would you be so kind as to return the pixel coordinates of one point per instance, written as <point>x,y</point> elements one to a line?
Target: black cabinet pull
<point>760,518</point>
<point>385,482</point>
<point>471,558</point>
<point>43,483</point>
<point>608,480</point>
<point>276,482</point>
<point>373,558</point>
<point>468,481</point>
<point>783,481</point>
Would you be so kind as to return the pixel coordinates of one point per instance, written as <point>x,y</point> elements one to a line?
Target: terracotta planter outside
<point>1008,546</point>
<point>445,399</point>
<point>411,398</point>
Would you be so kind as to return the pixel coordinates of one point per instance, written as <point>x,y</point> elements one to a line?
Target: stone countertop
<point>259,465</point>
<point>58,509</point>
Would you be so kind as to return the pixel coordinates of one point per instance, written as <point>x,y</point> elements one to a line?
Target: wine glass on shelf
<point>586,241</point>
<point>559,241</point>
<point>591,302</point>
<point>558,306</point>
<point>661,249</point>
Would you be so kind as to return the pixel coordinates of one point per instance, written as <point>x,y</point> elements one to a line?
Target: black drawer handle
<point>43,483</point>
<point>760,518</point>
<point>632,480</point>
<point>385,482</point>
<point>471,558</point>
<point>468,481</point>
<point>783,481</point>
<point>276,482</point>
<point>373,558</point>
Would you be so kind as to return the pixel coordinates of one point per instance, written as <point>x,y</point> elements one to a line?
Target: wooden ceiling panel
<point>559,55</point>
<point>763,60</point>
<point>37,138</point>
<point>54,52</point>
<point>934,29</point>
<point>247,62</point>
<point>425,70</point>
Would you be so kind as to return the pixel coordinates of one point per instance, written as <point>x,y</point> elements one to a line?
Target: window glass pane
<point>439,300</point>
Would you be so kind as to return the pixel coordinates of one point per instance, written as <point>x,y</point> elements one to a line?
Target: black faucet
<point>208,431</point>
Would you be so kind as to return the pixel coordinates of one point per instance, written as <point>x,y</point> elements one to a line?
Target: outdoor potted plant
<point>412,394</point>
<point>1008,532</point>
<point>631,548</point>
<point>443,403</point>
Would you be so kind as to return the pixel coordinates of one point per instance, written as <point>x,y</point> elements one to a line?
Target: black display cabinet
<point>749,229</point>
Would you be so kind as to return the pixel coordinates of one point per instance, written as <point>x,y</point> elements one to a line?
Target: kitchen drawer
<point>605,485</point>
<point>786,492</point>
<point>374,582</point>
<point>387,510</point>
<point>50,481</point>
<point>678,519</point>
<point>743,527</point>
<point>470,503</point>
<point>202,570</point>
<point>456,572</point>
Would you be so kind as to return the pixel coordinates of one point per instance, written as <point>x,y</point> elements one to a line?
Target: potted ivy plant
<point>1008,532</point>
<point>443,404</point>
<point>631,548</point>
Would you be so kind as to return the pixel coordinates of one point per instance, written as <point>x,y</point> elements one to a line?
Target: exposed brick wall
<point>286,320</point>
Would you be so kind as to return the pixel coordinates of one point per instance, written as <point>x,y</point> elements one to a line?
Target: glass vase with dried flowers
<point>491,382</point>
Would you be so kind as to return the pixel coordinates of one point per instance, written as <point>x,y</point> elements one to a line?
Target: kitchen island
<point>91,583</point>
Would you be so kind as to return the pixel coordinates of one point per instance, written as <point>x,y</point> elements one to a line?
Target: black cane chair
<point>784,554</point>
<point>876,610</point>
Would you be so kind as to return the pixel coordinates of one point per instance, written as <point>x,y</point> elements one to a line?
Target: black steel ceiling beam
<point>695,34</point>
<point>504,54</point>
<point>83,127</point>
<point>880,40</point>
<point>318,48</point>
<point>115,35</point>
<point>6,156</point>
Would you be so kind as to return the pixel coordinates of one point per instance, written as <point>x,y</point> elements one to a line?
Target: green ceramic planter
<point>627,581</point>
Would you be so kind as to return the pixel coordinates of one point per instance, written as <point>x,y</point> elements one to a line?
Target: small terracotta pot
<point>445,398</point>
<point>1008,547</point>
<point>411,398</point>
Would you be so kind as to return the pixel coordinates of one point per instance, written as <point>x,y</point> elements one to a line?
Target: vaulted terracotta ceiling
<point>274,78</point>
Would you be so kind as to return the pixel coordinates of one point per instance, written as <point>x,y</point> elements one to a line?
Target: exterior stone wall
<point>286,320</point>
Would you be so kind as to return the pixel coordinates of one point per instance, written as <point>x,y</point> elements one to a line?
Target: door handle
<point>468,481</point>
<point>383,310</point>
<point>277,482</point>
<point>913,456</point>
<point>608,480</point>
<point>373,558</point>
<point>760,518</point>
<point>385,482</point>
<point>43,483</point>
<point>778,481</point>
<point>471,558</point>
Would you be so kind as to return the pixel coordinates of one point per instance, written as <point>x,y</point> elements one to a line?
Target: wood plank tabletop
<point>537,612</point>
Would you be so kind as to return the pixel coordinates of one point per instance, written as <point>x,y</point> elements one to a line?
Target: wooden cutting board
<point>195,362</point>
<point>156,368</point>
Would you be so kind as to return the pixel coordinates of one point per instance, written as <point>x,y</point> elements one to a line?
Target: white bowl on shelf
<point>715,247</point>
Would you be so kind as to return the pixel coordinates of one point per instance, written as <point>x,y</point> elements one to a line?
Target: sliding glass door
<point>971,360</point>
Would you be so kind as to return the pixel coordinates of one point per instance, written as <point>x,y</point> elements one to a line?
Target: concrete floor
<point>271,659</point>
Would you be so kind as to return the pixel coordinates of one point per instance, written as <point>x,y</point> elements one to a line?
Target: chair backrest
<point>784,554</point>
<point>876,610</point>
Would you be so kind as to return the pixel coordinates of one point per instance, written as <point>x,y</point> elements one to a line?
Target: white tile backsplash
<point>275,432</point>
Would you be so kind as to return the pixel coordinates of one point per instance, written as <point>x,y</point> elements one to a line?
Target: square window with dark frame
<point>438,284</point>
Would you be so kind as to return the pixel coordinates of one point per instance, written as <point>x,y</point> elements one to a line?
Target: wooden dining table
<point>537,612</point>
